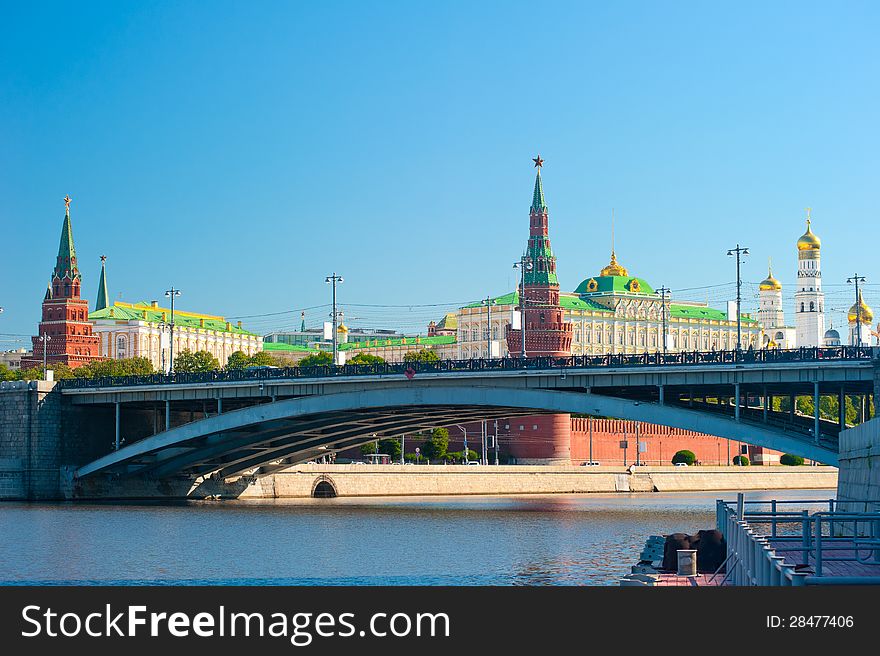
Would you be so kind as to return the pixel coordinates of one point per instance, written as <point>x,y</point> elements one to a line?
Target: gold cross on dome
<point>809,209</point>
<point>67,202</point>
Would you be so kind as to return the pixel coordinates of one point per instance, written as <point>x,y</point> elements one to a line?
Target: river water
<point>486,540</point>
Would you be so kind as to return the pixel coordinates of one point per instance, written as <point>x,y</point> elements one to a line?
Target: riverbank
<point>302,481</point>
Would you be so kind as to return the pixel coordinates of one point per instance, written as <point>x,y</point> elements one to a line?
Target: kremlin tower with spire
<point>546,331</point>
<point>64,330</point>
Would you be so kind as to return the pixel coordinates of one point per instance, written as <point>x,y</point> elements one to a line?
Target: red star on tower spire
<point>538,161</point>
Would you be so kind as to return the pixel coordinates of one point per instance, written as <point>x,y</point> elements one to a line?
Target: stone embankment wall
<point>860,463</point>
<point>396,480</point>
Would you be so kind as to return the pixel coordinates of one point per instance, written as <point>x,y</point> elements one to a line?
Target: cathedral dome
<point>832,334</point>
<point>860,311</point>
<point>613,268</point>
<point>809,241</point>
<point>770,283</point>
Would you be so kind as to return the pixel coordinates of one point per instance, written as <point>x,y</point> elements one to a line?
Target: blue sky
<point>243,151</point>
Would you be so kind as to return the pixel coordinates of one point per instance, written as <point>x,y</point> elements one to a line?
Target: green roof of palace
<point>567,301</point>
<point>127,312</point>
<point>619,284</point>
<point>574,302</point>
<point>702,312</point>
<point>281,346</point>
<point>398,341</point>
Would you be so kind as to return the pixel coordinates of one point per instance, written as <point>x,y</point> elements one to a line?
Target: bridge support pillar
<point>841,409</point>
<point>167,415</point>
<point>767,403</point>
<point>738,400</point>
<point>118,416</point>
<point>792,401</point>
<point>660,389</point>
<point>219,406</point>
<point>816,412</point>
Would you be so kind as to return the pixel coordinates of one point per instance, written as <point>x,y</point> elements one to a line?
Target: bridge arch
<point>274,431</point>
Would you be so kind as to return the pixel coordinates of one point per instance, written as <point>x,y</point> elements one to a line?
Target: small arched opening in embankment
<point>324,488</point>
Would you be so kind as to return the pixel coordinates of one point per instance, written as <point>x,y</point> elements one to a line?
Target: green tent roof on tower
<point>538,204</point>
<point>103,299</point>
<point>65,264</point>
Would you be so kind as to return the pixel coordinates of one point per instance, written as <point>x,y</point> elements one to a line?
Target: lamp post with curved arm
<point>465,450</point>
<point>172,294</point>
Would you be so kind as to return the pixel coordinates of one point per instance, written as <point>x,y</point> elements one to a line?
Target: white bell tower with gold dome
<point>809,300</point>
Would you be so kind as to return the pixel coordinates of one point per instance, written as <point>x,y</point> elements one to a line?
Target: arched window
<point>812,306</point>
<point>802,307</point>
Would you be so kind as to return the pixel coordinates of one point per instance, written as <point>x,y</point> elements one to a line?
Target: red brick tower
<point>543,317</point>
<point>65,315</point>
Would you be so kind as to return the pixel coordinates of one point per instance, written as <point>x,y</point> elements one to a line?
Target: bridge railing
<point>511,363</point>
<point>779,546</point>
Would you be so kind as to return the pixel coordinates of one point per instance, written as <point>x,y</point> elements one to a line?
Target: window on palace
<point>812,305</point>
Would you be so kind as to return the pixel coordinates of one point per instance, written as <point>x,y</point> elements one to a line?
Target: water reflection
<point>534,540</point>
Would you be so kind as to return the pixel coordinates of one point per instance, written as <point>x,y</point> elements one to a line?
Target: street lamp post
<point>334,280</point>
<point>45,339</point>
<point>172,294</point>
<point>739,252</point>
<point>857,279</point>
<point>488,302</point>
<point>464,433</point>
<point>524,264</point>
<point>663,291</point>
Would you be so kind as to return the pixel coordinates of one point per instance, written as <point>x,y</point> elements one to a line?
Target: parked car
<point>681,464</point>
<point>472,462</point>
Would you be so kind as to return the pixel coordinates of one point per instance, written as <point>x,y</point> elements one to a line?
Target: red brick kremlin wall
<point>562,439</point>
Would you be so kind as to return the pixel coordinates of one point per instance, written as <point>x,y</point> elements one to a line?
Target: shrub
<point>791,460</point>
<point>684,456</point>
<point>743,461</point>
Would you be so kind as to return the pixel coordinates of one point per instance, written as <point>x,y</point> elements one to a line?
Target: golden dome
<point>342,328</point>
<point>770,283</point>
<point>613,268</point>
<point>808,241</point>
<point>860,311</point>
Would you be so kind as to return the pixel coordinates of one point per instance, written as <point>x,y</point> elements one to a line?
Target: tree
<point>685,456</point>
<point>436,445</point>
<point>6,373</point>
<point>60,371</point>
<point>424,356</point>
<point>139,366</point>
<point>198,362</point>
<point>261,359</point>
<point>237,360</point>
<point>366,358</point>
<point>742,461</point>
<point>791,460</point>
<point>322,358</point>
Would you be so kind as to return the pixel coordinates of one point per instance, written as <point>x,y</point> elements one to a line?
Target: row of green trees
<point>434,446</point>
<point>195,362</point>
<point>687,457</point>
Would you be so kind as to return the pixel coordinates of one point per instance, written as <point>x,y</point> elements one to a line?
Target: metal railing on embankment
<point>780,543</point>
